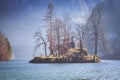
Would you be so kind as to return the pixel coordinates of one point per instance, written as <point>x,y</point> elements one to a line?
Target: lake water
<point>22,70</point>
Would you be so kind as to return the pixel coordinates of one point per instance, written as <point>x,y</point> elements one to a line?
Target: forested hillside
<point>5,48</point>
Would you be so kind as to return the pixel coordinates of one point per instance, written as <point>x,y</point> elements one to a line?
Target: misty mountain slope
<point>111,25</point>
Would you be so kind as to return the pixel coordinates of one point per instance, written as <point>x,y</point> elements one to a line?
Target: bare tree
<point>41,40</point>
<point>49,18</point>
<point>57,29</point>
<point>96,19</point>
<point>61,30</point>
<point>95,27</point>
<point>66,32</point>
<point>80,29</point>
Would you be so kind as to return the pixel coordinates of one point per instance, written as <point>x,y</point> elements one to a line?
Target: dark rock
<point>82,59</point>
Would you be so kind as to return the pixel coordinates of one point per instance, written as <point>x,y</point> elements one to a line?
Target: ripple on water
<point>21,70</point>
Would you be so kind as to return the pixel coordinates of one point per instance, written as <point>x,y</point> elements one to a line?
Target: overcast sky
<point>19,19</point>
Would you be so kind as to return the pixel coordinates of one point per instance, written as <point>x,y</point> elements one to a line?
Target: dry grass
<point>70,53</point>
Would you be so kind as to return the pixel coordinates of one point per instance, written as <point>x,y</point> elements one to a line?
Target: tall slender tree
<point>66,31</point>
<point>80,29</point>
<point>96,21</point>
<point>58,29</point>
<point>95,27</point>
<point>49,18</point>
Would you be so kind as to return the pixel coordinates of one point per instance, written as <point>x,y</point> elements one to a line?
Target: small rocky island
<point>68,41</point>
<point>71,56</point>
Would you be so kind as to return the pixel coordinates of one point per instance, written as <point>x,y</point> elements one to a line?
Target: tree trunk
<point>58,46</point>
<point>51,42</point>
<point>45,49</point>
<point>51,50</point>
<point>96,44</point>
<point>81,47</point>
<point>58,50</point>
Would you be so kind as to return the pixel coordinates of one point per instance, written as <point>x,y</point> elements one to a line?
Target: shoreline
<point>83,59</point>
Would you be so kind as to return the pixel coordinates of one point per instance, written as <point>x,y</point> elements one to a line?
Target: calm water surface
<point>22,70</point>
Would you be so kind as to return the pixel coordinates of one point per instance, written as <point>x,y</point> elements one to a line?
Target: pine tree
<point>49,18</point>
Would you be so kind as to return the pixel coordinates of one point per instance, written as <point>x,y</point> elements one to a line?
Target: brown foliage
<point>5,48</point>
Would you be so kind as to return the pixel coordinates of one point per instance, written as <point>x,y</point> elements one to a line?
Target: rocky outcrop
<point>5,48</point>
<point>83,59</point>
<point>71,56</point>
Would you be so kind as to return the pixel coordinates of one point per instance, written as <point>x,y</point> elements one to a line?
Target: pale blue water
<point>22,70</point>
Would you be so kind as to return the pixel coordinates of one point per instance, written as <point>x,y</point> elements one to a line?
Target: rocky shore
<point>71,56</point>
<point>82,59</point>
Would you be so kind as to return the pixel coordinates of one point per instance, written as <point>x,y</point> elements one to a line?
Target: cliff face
<point>5,48</point>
